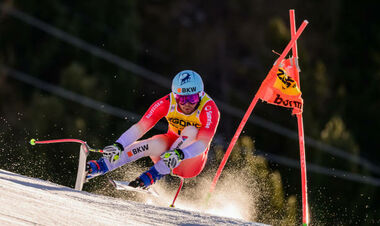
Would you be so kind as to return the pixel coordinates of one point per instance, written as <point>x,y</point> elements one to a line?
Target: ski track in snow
<point>30,201</point>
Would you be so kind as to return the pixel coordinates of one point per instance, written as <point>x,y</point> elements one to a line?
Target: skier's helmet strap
<point>187,82</point>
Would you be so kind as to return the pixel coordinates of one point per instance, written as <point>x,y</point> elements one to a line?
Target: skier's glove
<point>172,158</point>
<point>112,152</point>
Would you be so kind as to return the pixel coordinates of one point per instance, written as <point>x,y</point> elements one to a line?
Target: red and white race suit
<point>192,133</point>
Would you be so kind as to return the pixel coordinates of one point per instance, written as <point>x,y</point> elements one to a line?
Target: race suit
<point>195,146</point>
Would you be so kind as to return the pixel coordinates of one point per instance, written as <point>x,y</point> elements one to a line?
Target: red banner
<point>280,87</point>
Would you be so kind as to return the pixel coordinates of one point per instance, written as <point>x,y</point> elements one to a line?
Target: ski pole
<point>34,142</point>
<point>179,189</point>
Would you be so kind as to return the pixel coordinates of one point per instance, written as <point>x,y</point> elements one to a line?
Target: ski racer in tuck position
<point>193,118</point>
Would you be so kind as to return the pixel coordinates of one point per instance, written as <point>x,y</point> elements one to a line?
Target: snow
<point>30,201</point>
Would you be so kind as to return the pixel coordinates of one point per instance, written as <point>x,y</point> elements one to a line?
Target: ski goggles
<point>183,99</point>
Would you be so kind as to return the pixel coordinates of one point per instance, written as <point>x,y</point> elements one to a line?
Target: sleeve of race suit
<point>210,119</point>
<point>155,112</point>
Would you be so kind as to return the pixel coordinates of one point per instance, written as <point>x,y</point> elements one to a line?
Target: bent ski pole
<point>34,142</point>
<point>83,153</point>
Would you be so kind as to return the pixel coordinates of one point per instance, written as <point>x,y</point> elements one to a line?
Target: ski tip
<point>32,141</point>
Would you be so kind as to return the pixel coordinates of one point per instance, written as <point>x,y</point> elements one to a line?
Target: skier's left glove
<point>112,152</point>
<point>172,158</point>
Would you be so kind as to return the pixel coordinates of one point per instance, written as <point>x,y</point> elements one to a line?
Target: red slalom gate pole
<point>292,42</point>
<point>233,141</point>
<point>301,138</point>
<point>250,109</point>
<point>305,205</point>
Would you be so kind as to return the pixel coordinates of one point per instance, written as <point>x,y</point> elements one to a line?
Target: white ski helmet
<point>187,82</point>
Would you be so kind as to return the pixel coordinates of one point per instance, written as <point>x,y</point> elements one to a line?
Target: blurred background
<point>90,69</point>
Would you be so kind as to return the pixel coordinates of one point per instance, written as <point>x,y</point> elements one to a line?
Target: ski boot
<point>146,179</point>
<point>96,168</point>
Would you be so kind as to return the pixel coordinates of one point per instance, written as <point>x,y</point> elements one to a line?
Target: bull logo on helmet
<point>185,78</point>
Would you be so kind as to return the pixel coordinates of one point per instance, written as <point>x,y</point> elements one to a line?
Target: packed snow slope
<point>30,201</point>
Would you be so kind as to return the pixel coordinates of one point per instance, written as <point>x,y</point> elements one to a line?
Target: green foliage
<point>336,134</point>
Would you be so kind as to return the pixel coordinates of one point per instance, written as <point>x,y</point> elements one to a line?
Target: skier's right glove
<point>112,152</point>
<point>172,158</point>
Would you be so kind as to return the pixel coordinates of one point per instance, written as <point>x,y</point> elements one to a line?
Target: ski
<point>81,174</point>
<point>123,185</point>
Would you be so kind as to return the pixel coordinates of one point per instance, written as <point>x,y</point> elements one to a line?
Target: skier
<point>193,118</point>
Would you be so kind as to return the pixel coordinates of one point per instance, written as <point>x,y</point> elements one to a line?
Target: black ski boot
<point>137,183</point>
